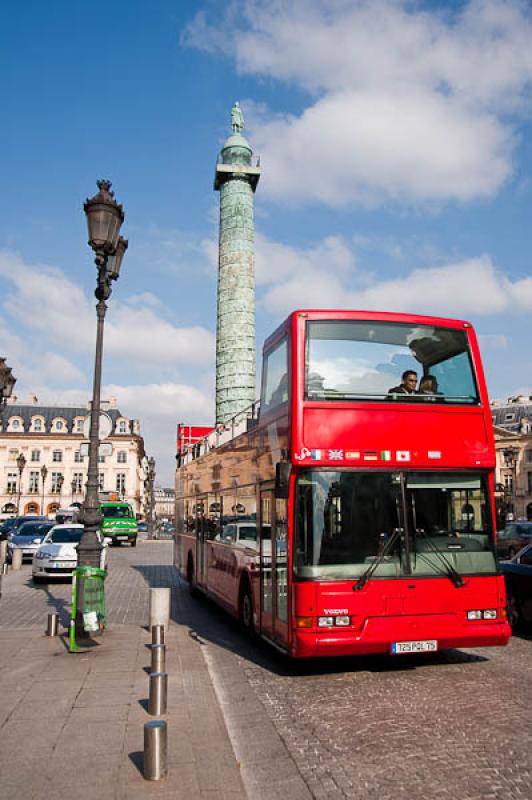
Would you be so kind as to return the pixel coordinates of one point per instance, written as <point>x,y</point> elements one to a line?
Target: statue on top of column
<point>237,118</point>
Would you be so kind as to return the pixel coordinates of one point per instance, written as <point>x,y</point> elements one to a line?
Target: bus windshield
<point>344,519</point>
<point>353,359</point>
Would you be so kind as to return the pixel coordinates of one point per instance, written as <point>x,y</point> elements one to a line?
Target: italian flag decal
<point>386,455</point>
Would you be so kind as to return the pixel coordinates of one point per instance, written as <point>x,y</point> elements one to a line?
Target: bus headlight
<point>343,621</point>
<point>490,613</point>
<point>325,622</point>
<point>474,614</point>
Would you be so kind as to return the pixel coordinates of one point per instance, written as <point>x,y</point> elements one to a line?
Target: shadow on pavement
<point>207,622</point>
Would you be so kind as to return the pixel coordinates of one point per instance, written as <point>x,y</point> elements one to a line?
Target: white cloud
<point>43,299</point>
<point>405,101</point>
<point>327,276</point>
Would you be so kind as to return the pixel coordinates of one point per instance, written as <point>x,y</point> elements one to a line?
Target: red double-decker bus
<point>352,511</point>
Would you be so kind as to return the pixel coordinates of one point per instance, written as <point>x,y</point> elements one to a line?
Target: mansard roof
<point>49,413</point>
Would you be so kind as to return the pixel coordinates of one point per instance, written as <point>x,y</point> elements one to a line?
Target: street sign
<point>104,449</point>
<point>104,428</point>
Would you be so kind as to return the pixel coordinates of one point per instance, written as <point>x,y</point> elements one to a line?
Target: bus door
<point>273,567</point>
<point>201,540</point>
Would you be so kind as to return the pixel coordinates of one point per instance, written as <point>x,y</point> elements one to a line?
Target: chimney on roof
<point>33,399</point>
<point>112,402</point>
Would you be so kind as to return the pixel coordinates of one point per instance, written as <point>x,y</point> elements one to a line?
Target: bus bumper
<point>377,635</point>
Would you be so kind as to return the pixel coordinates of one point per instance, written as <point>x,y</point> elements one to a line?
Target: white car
<point>57,556</point>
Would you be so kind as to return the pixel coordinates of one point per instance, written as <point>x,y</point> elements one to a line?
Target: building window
<point>57,482</point>
<point>509,482</point>
<point>15,424</point>
<point>35,455</point>
<point>78,458</point>
<point>100,481</point>
<point>528,456</point>
<point>37,425</point>
<point>121,457</point>
<point>122,426</point>
<point>509,417</point>
<point>101,459</point>
<point>11,482</point>
<point>34,482</point>
<point>12,456</point>
<point>78,426</point>
<point>121,483</point>
<point>77,481</point>
<point>57,455</point>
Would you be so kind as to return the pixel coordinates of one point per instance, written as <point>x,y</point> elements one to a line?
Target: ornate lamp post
<point>104,219</point>
<point>7,382</point>
<point>60,482</point>
<point>21,463</point>
<point>510,460</point>
<point>150,480</point>
<point>44,473</point>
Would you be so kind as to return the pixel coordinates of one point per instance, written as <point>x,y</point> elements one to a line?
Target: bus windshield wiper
<point>453,574</point>
<point>366,575</point>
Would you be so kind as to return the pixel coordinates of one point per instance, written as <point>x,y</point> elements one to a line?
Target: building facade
<point>53,471</point>
<point>513,444</point>
<point>164,503</point>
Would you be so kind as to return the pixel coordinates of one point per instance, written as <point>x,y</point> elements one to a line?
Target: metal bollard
<point>5,568</point>
<point>157,634</point>
<point>3,551</point>
<point>158,694</point>
<point>158,658</point>
<point>159,607</point>
<point>16,559</point>
<point>155,750</point>
<point>51,628</point>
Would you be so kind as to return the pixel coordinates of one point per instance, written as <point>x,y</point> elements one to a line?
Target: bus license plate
<point>423,646</point>
<point>121,538</point>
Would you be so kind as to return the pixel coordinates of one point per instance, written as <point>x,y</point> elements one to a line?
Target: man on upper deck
<point>408,383</point>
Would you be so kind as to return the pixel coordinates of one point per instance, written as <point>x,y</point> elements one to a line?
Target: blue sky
<point>396,153</point>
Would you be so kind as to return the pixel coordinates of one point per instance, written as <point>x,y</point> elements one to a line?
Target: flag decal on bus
<point>316,454</point>
<point>336,455</point>
<point>370,455</point>
<point>386,455</point>
<point>351,455</point>
<point>402,455</point>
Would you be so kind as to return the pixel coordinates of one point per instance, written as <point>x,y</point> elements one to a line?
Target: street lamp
<point>510,455</point>
<point>60,482</point>
<point>21,463</point>
<point>150,480</point>
<point>7,382</point>
<point>44,473</point>
<point>104,219</point>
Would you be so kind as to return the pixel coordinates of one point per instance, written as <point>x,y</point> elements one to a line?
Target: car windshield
<point>66,535</point>
<point>33,531</point>
<point>344,520</point>
<point>354,359</point>
<point>117,512</point>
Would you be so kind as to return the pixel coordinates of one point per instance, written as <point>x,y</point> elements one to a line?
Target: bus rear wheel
<point>246,609</point>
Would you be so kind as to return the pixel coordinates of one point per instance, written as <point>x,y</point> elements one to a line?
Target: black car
<point>518,579</point>
<point>513,538</point>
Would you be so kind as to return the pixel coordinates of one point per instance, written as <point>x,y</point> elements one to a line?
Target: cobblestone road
<point>446,725</point>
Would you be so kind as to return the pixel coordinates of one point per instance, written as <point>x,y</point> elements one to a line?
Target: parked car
<point>57,556</point>
<point>518,579</point>
<point>11,525</point>
<point>513,538</point>
<point>28,537</point>
<point>142,526</point>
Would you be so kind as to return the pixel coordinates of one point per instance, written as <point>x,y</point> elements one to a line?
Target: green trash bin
<point>92,606</point>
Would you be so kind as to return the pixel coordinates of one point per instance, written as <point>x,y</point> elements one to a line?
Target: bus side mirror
<point>283,470</point>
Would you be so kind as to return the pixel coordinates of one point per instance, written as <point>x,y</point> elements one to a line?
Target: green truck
<point>119,522</point>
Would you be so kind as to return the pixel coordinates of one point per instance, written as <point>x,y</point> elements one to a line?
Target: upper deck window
<point>275,378</point>
<point>352,360</point>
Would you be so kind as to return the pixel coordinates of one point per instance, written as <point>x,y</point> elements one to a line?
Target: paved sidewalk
<point>72,724</point>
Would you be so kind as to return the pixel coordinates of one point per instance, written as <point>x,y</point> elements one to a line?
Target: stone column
<point>236,180</point>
